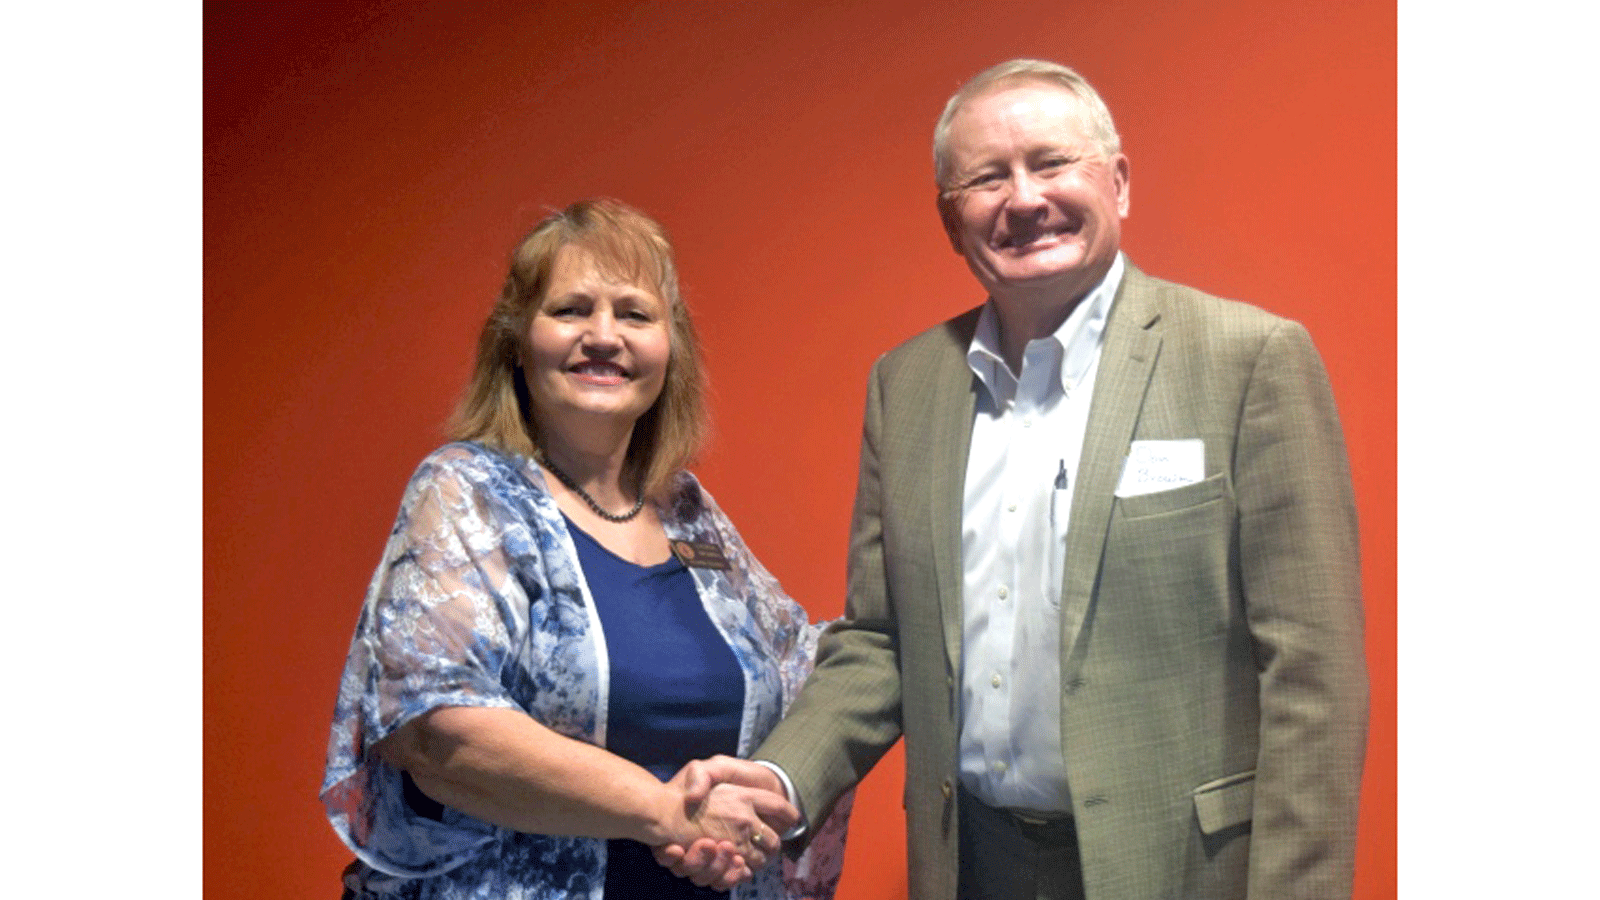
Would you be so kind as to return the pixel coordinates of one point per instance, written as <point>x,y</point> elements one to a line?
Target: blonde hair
<point>626,244</point>
<point>1102,129</point>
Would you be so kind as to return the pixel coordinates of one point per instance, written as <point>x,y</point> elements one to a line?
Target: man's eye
<point>986,181</point>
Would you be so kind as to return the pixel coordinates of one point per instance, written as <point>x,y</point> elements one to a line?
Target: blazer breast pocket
<point>1225,802</point>
<point>1212,488</point>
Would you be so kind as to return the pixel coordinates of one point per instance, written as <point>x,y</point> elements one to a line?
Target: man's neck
<point>1021,323</point>
<point>1030,312</point>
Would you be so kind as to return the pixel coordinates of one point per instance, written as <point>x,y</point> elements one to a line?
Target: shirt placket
<point>1003,600</point>
<point>1030,481</point>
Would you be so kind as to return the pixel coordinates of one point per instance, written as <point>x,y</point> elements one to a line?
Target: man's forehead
<point>1019,83</point>
<point>1035,119</point>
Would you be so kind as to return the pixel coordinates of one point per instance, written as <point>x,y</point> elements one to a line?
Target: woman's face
<point>597,348</point>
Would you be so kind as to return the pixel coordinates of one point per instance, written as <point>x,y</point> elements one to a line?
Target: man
<point>1103,560</point>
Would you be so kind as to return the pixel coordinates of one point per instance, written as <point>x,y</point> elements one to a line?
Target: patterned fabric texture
<point>479,601</point>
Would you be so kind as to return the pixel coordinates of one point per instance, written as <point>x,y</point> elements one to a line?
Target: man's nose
<point>1024,194</point>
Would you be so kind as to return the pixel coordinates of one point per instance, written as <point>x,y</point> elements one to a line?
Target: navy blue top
<point>676,694</point>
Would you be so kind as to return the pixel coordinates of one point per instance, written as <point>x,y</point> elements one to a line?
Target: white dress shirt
<point>1027,437</point>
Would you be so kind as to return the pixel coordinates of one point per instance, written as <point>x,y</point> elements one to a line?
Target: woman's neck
<point>596,467</point>
<point>598,470</point>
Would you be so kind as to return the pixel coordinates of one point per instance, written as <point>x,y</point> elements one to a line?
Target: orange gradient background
<point>369,166</point>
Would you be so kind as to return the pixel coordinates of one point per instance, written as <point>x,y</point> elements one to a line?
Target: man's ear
<point>1119,174</point>
<point>950,216</point>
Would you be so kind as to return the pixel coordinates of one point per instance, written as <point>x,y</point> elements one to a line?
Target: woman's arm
<point>504,767</point>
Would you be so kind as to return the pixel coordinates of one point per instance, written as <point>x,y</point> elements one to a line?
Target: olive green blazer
<point>1213,690</point>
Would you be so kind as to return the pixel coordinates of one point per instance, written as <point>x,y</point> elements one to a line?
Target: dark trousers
<point>1004,857</point>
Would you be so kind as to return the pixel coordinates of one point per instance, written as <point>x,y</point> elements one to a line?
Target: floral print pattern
<point>480,601</point>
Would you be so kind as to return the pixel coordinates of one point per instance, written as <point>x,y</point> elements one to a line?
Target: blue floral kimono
<point>479,601</point>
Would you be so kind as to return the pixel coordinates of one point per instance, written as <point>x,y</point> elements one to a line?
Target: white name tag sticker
<point>1161,466</point>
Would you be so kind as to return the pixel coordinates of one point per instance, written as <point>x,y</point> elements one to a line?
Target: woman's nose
<point>602,332</point>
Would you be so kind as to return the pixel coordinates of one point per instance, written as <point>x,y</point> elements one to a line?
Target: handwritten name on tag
<point>1161,466</point>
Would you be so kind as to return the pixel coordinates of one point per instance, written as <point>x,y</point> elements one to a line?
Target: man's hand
<point>740,807</point>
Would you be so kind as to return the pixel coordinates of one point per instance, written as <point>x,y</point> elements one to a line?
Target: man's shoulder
<point>945,342</point>
<point>1182,306</point>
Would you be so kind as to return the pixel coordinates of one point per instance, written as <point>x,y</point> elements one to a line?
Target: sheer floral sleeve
<point>437,629</point>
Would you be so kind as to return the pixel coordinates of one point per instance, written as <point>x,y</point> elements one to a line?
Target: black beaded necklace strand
<point>573,486</point>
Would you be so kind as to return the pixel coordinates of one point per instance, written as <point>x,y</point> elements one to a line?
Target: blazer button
<point>947,789</point>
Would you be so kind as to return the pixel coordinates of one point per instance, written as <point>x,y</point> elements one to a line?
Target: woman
<point>563,617</point>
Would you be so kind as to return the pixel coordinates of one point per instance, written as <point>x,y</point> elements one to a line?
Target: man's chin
<point>1044,285</point>
<point>1048,264</point>
<point>1036,278</point>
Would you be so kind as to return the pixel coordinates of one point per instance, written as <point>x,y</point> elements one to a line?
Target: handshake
<point>731,822</point>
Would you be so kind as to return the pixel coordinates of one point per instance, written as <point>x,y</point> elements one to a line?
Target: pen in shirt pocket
<point>1059,491</point>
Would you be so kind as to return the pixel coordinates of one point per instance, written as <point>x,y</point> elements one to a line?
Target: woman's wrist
<point>665,820</point>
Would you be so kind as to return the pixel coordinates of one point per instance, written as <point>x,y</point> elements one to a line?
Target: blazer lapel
<point>1132,343</point>
<point>951,437</point>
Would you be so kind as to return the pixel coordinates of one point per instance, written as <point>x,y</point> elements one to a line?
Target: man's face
<point>1032,203</point>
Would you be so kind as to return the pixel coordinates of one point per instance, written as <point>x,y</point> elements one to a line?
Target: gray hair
<point>1101,128</point>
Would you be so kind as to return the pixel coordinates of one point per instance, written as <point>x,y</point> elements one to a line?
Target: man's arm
<point>848,714</point>
<point>1299,558</point>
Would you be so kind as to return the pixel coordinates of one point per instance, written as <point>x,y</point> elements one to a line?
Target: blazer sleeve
<point>848,715</point>
<point>1299,562</point>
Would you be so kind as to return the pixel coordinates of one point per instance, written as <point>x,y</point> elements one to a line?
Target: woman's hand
<point>752,819</point>
<point>742,815</point>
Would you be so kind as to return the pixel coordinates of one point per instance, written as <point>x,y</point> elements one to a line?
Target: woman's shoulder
<point>470,454</point>
<point>692,510</point>
<point>471,468</point>
<point>470,459</point>
<point>686,499</point>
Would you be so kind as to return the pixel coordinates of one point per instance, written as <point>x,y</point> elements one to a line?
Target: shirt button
<point>1011,508</point>
<point>999,766</point>
<point>1028,422</point>
<point>995,680</point>
<point>1003,593</point>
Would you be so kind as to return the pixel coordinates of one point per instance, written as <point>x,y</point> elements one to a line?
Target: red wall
<point>369,166</point>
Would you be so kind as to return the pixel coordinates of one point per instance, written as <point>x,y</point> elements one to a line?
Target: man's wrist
<point>790,795</point>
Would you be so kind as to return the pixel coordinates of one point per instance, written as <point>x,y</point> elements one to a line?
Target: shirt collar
<point>1076,343</point>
